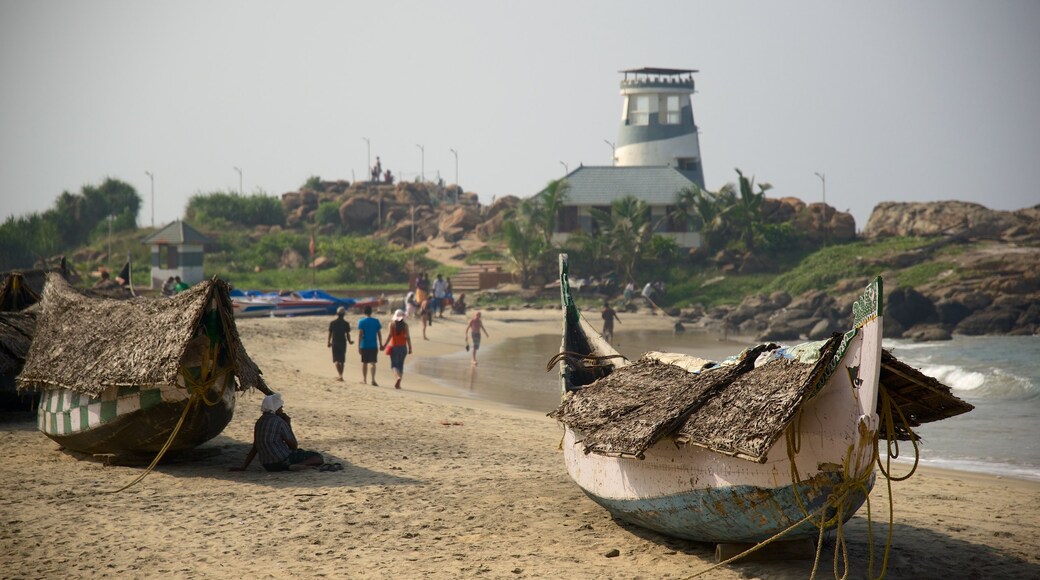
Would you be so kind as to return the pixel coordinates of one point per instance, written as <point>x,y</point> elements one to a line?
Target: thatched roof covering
<point>921,398</point>
<point>735,409</point>
<point>16,334</point>
<point>16,293</point>
<point>89,344</point>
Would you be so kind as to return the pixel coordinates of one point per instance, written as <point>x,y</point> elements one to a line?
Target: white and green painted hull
<point>134,419</point>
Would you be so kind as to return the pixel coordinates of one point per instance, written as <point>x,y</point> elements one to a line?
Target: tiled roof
<point>177,232</point>
<point>602,185</point>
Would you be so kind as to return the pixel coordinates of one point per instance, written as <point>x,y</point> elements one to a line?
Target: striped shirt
<point>269,435</point>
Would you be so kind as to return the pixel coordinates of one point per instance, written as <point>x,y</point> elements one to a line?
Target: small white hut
<point>177,250</point>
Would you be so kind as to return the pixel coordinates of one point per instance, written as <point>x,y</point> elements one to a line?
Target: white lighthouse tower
<point>657,126</point>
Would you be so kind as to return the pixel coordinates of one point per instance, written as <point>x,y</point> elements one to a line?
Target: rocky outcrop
<point>953,218</point>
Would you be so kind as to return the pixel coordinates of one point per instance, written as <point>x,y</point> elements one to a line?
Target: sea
<point>999,375</point>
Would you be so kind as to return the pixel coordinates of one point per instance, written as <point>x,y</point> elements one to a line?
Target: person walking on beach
<point>609,316</point>
<point>370,336</point>
<point>275,442</point>
<point>399,340</point>
<point>339,337</point>
<point>473,330</point>
<point>440,295</point>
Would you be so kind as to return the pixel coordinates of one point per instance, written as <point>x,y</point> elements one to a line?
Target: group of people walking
<point>273,439</point>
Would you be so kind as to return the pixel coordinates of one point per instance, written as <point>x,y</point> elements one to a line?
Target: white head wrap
<point>272,403</point>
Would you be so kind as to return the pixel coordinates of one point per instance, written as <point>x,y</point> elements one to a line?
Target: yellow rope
<point>853,479</point>
<point>191,402</point>
<point>198,391</point>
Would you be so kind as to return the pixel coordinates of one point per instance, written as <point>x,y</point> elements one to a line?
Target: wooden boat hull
<point>129,420</point>
<point>691,492</point>
<point>246,308</point>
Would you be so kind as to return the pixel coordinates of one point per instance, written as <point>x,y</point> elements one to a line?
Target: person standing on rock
<point>370,336</point>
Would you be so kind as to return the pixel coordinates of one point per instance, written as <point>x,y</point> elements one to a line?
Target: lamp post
<point>239,179</point>
<point>422,162</point>
<point>368,145</point>
<point>456,154</point>
<point>613,152</point>
<point>110,219</point>
<point>566,170</point>
<point>823,182</point>
<point>152,178</point>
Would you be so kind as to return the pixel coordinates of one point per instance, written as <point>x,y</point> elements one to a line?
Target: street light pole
<point>239,179</point>
<point>369,149</point>
<point>152,178</point>
<point>823,180</point>
<point>422,161</point>
<point>456,154</point>
<point>613,152</point>
<point>566,170</point>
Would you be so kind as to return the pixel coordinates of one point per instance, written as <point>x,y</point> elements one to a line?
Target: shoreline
<point>434,485</point>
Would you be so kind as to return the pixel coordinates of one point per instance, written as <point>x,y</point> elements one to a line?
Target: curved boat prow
<point>581,342</point>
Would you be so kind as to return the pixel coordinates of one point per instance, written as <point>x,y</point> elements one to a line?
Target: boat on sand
<point>121,377</point>
<point>774,441</point>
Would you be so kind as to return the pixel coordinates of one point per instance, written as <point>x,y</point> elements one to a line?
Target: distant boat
<point>134,375</point>
<point>247,306</point>
<point>737,451</point>
<point>311,302</point>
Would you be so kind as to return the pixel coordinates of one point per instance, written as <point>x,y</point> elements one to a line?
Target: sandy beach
<point>436,484</point>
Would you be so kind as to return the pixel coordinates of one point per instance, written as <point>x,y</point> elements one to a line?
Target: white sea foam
<point>958,378</point>
<point>976,466</point>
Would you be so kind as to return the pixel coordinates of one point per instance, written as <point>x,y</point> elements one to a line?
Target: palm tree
<point>627,230</point>
<point>746,213</point>
<point>523,239</point>
<point>548,204</point>
<point>705,211</point>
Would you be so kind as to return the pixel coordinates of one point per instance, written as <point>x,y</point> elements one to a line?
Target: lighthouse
<point>657,126</point>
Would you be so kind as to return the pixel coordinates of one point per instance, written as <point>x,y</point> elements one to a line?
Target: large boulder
<point>988,322</point>
<point>464,218</point>
<point>910,308</point>
<point>291,259</point>
<point>358,213</point>
<point>954,218</point>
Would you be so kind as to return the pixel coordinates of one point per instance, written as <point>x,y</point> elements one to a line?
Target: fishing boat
<point>775,440</point>
<point>124,377</point>
<point>17,327</point>
<point>250,305</point>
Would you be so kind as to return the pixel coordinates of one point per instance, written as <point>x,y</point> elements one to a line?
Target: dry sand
<point>435,485</point>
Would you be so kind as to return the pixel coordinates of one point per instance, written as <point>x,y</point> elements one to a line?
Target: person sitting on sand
<point>275,443</point>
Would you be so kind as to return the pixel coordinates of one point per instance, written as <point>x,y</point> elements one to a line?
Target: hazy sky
<point>892,101</point>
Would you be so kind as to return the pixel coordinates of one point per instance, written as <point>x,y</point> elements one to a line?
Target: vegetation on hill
<point>74,220</point>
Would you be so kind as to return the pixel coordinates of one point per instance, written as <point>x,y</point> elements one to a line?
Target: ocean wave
<point>957,378</point>
<point>976,466</point>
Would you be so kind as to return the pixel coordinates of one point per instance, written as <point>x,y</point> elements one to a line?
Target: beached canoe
<point>123,376</point>
<point>737,451</point>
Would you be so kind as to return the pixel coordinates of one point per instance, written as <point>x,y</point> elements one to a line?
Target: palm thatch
<point>88,344</point>
<point>749,414</point>
<point>16,293</point>
<point>16,334</point>
<point>919,397</point>
<point>735,409</point>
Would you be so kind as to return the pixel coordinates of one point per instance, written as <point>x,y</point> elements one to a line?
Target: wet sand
<point>437,483</point>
